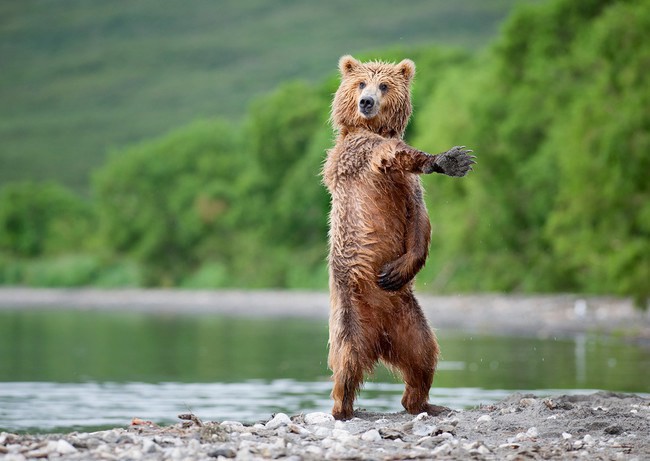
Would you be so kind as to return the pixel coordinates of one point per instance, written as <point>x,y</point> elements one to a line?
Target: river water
<point>73,370</point>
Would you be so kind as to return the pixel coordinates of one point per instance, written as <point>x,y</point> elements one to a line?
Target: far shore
<point>538,315</point>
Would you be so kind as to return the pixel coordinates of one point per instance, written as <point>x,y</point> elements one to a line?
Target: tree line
<point>556,111</point>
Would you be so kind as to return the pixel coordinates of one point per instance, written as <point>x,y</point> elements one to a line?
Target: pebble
<point>318,418</point>
<point>484,419</point>
<point>280,419</point>
<point>371,435</point>
<point>566,435</point>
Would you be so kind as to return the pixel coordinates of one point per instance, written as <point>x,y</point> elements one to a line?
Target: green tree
<point>175,202</point>
<point>39,219</point>
<point>600,224</point>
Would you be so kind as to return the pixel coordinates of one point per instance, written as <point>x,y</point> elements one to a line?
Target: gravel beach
<point>595,426</point>
<point>600,426</point>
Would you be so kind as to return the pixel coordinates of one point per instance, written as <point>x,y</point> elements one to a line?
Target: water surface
<point>69,370</point>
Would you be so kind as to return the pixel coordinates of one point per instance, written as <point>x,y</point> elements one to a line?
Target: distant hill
<point>79,77</point>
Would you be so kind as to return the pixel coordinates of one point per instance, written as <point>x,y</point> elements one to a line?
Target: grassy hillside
<point>79,77</point>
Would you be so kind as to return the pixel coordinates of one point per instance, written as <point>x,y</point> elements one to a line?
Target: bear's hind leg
<point>352,353</point>
<point>414,352</point>
<point>348,376</point>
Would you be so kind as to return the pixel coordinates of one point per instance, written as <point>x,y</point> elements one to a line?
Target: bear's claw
<point>390,279</point>
<point>456,161</point>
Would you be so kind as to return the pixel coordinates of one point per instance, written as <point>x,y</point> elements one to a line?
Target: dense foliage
<point>557,112</point>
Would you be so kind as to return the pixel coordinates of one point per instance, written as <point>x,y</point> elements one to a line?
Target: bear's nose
<point>366,103</point>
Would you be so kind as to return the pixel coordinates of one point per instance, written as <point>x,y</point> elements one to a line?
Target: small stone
<point>314,450</point>
<point>339,425</point>
<point>64,447</point>
<point>614,429</point>
<point>421,417</point>
<point>566,435</point>
<point>322,432</point>
<point>588,439</point>
<point>441,450</point>
<point>421,429</point>
<point>371,436</point>
<point>149,446</point>
<point>223,451</point>
<point>483,450</point>
<point>318,418</point>
<point>532,433</point>
<point>577,444</point>
<point>13,457</point>
<point>342,435</point>
<point>484,419</point>
<point>526,402</point>
<point>280,419</point>
<point>296,429</point>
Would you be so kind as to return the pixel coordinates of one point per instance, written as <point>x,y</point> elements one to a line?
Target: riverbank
<point>538,315</point>
<point>598,426</point>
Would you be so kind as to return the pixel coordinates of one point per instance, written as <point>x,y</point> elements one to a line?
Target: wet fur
<point>379,237</point>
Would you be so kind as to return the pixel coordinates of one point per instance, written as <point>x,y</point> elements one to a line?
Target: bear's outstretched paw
<point>456,161</point>
<point>391,278</point>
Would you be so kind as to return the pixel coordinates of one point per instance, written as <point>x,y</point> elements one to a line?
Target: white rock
<point>588,439</point>
<point>483,450</point>
<point>327,442</point>
<point>441,449</point>
<point>314,450</point>
<point>13,457</point>
<point>422,429</point>
<point>371,436</point>
<point>339,425</point>
<point>520,436</point>
<point>64,447</point>
<point>566,435</point>
<point>232,423</point>
<point>342,435</point>
<point>446,435</point>
<point>532,432</point>
<point>322,432</point>
<point>318,418</point>
<point>149,446</point>
<point>280,419</point>
<point>296,429</point>
<point>484,419</point>
<point>421,416</point>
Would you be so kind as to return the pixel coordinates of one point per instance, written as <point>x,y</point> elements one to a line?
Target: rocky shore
<point>599,426</point>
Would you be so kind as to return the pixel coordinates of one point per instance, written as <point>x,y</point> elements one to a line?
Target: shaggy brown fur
<point>379,234</point>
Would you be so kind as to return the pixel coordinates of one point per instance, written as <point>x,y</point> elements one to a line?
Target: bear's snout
<point>368,105</point>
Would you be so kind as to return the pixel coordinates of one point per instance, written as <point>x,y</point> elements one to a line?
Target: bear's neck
<point>383,132</point>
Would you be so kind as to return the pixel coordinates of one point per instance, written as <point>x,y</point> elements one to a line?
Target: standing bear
<point>379,234</point>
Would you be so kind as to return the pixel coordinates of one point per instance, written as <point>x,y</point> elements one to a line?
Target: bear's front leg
<point>455,162</point>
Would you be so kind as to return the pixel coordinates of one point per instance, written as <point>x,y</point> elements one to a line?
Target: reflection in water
<point>69,368</point>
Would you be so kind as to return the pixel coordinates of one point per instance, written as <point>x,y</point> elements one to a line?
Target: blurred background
<point>166,144</point>
<point>179,144</point>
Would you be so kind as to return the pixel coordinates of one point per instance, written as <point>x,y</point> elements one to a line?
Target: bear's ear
<point>407,69</point>
<point>347,64</point>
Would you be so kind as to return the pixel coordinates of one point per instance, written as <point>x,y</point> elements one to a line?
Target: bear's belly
<point>367,231</point>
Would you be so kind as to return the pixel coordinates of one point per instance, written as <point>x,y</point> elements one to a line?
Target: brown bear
<point>379,234</point>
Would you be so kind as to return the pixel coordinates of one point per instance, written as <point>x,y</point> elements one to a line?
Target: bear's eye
<point>362,85</point>
<point>383,87</point>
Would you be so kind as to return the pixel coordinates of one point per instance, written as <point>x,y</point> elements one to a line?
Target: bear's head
<point>373,95</point>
